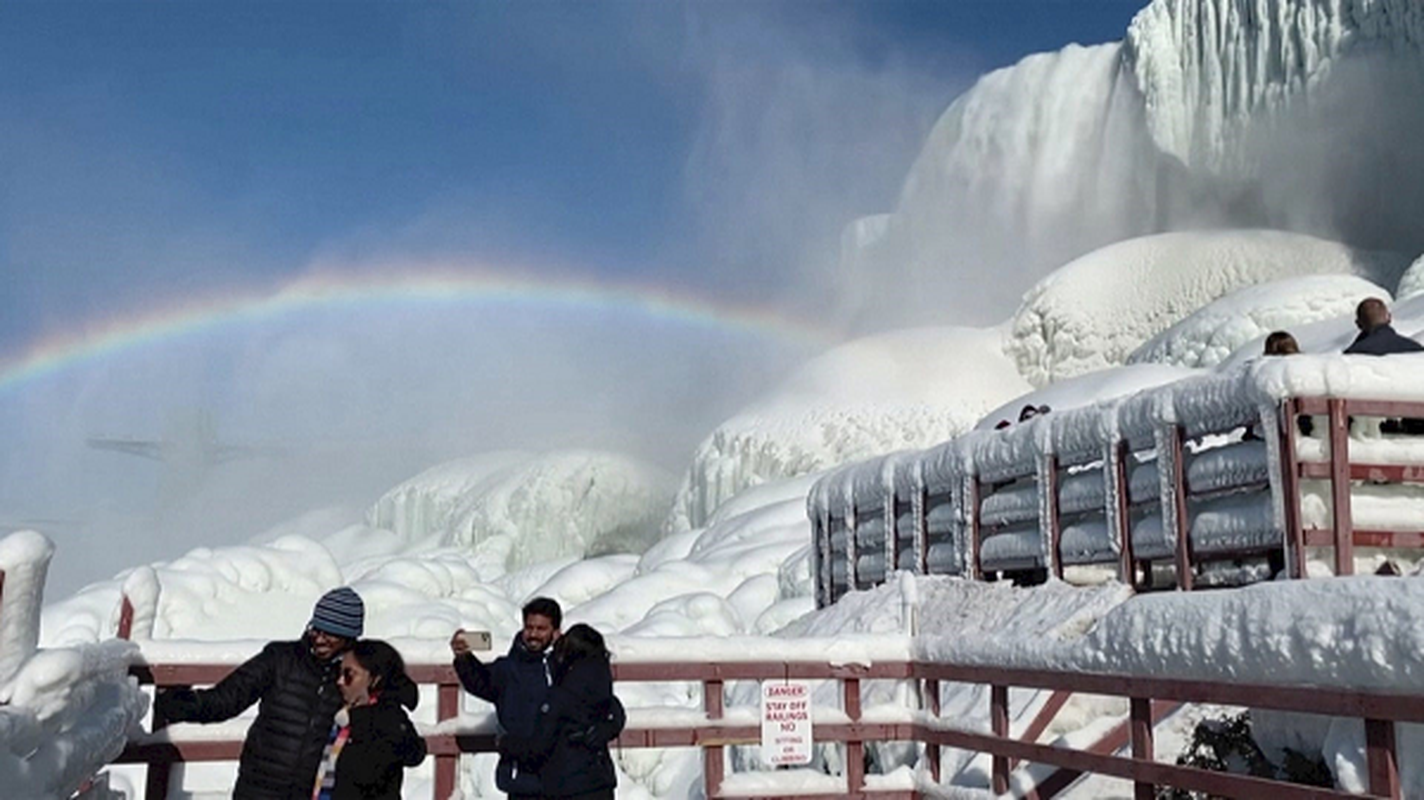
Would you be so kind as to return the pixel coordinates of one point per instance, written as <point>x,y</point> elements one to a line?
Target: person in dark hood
<point>1377,336</point>
<point>569,744</point>
<point>295,684</point>
<point>372,740</point>
<point>517,684</point>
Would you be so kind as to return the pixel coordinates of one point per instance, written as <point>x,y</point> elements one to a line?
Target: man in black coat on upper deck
<point>1377,337</point>
<point>295,683</point>
<point>517,684</point>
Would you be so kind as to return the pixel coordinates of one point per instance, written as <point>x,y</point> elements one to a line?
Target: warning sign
<point>786,722</point>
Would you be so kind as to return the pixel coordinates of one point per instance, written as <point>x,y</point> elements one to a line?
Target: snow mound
<point>893,391</point>
<point>1094,311</point>
<point>1207,336</point>
<point>425,505</point>
<point>1085,390</point>
<point>1411,284</point>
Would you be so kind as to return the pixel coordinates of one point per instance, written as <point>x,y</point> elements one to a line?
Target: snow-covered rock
<point>1093,312</point>
<point>874,395</point>
<point>1207,336</point>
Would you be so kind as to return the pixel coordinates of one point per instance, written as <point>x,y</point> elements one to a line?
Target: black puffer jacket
<point>298,697</point>
<point>569,748</point>
<point>381,744</point>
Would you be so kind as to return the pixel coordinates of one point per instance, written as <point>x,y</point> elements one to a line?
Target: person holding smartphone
<point>517,683</point>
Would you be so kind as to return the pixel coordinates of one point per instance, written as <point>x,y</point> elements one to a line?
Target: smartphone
<point>477,640</point>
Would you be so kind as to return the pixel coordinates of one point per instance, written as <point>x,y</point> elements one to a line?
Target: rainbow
<point>333,291</point>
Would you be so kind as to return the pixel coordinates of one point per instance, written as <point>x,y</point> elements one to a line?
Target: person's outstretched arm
<point>230,697</point>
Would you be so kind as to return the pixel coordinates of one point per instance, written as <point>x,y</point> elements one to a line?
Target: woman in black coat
<point>372,740</point>
<point>569,748</point>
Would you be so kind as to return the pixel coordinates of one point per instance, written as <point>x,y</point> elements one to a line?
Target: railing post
<point>1382,759</point>
<point>855,748</point>
<point>1140,713</point>
<point>999,722</point>
<point>1340,488</point>
<point>126,616</point>
<point>160,771</point>
<point>712,762</point>
<point>447,707</point>
<point>932,750</point>
<point>1290,488</point>
<point>1055,521</point>
<point>922,529</point>
<point>1121,477</point>
<point>976,570</point>
<point>1179,490</point>
<point>852,549</point>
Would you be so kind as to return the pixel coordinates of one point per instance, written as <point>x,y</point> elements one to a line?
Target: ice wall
<point>1301,115</point>
<point>24,560</point>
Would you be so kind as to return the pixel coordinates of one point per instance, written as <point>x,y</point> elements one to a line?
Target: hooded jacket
<point>517,684</point>
<point>297,697</point>
<point>569,745</point>
<point>381,744</point>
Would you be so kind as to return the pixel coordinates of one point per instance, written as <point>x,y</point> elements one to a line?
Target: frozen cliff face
<point>898,390</point>
<point>1092,313</point>
<point>1300,115</point>
<point>568,503</point>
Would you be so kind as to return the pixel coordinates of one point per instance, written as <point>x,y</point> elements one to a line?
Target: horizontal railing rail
<point>1149,700</point>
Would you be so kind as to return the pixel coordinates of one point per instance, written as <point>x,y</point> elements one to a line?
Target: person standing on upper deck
<point>1377,336</point>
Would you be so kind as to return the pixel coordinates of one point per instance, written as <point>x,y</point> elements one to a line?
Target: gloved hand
<point>176,705</point>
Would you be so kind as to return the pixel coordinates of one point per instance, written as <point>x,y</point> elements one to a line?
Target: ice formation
<point>1211,113</point>
<point>870,396</point>
<point>1093,312</point>
<point>1209,335</point>
<point>517,510</point>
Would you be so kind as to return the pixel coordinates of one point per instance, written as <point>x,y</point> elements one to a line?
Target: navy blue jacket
<point>1382,341</point>
<point>569,748</point>
<point>517,684</point>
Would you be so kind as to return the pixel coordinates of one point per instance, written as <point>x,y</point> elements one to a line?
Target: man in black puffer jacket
<point>295,684</point>
<point>516,684</point>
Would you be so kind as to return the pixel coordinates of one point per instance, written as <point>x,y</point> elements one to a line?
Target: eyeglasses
<point>317,633</point>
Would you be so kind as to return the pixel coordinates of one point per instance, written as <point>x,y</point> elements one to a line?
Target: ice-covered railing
<point>1209,474</point>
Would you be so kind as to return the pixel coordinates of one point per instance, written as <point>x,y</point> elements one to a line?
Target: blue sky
<point>157,150</point>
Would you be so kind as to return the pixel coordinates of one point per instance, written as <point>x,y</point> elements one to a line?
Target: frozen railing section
<point>1209,479</point>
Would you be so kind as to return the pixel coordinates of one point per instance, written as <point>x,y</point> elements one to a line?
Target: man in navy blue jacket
<point>1377,336</point>
<point>517,684</point>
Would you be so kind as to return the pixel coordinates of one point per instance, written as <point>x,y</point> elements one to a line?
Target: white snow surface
<point>1094,312</point>
<point>892,391</point>
<point>1209,335</point>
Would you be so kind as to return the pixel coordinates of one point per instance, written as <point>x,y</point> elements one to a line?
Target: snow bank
<point>904,389</point>
<point>1210,334</point>
<point>1088,389</point>
<point>1093,312</point>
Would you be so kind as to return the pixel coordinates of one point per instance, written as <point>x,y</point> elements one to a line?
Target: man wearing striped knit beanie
<point>296,684</point>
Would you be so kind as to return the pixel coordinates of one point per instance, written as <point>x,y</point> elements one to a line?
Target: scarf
<point>326,774</point>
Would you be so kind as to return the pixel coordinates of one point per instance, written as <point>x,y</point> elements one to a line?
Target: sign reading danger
<point>786,722</point>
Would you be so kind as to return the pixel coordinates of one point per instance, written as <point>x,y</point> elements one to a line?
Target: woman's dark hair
<point>1280,343</point>
<point>381,660</point>
<point>578,643</point>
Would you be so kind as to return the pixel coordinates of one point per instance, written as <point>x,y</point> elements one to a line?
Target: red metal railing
<point>1150,699</point>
